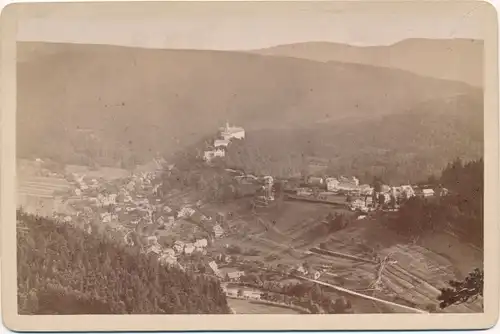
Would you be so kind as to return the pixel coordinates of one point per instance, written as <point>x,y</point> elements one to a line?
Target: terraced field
<point>41,195</point>
<point>414,280</point>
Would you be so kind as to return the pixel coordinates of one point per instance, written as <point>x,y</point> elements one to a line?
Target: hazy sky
<point>252,25</point>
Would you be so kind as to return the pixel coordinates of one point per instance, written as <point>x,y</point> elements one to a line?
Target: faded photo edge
<point>13,321</point>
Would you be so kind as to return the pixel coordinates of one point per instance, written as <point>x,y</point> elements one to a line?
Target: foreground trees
<point>63,270</point>
<point>460,212</point>
<point>464,291</point>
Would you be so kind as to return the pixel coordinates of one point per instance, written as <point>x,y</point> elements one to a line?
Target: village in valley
<point>271,235</point>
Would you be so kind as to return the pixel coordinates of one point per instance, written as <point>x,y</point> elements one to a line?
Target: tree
<point>348,198</point>
<point>464,291</point>
<point>381,199</point>
<point>278,188</point>
<point>393,201</point>
<point>377,184</point>
<point>64,270</point>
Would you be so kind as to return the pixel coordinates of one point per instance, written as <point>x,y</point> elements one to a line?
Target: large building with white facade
<point>232,132</point>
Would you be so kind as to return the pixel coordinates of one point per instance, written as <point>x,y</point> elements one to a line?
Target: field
<point>107,173</point>
<point>286,229</point>
<point>39,194</point>
<point>241,306</point>
<point>422,267</point>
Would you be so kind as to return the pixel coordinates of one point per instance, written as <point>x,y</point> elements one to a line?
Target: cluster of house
<point>220,144</point>
<point>133,208</point>
<point>157,237</point>
<point>363,197</point>
<point>226,274</point>
<point>241,292</point>
<point>303,271</point>
<point>335,184</point>
<point>392,197</point>
<point>167,254</point>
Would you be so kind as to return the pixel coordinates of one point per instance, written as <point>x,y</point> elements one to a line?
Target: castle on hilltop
<point>232,132</point>
<point>226,134</point>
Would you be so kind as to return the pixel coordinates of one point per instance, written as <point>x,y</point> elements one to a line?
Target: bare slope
<point>118,104</point>
<point>453,59</point>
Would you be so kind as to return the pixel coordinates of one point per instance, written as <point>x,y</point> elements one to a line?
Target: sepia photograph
<point>281,159</point>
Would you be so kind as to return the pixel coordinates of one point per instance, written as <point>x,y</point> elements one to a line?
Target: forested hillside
<point>460,212</point>
<point>63,270</point>
<point>403,147</point>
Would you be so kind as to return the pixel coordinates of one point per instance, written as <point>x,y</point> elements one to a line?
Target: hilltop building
<point>221,143</point>
<point>211,154</point>
<point>232,132</point>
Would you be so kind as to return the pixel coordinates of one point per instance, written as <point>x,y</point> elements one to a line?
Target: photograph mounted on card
<point>247,165</point>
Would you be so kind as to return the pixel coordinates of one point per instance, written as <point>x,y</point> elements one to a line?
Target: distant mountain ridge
<point>449,59</point>
<point>134,103</point>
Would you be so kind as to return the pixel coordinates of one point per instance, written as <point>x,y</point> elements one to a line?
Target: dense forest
<point>63,270</point>
<point>460,212</point>
<point>404,147</point>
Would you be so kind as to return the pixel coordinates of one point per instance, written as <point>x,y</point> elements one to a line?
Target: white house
<point>357,204</point>
<point>366,190</point>
<point>332,184</point>
<point>106,217</point>
<point>221,143</point>
<point>316,275</point>
<point>235,275</point>
<point>427,192</point>
<point>189,249</point>
<point>210,155</point>
<point>348,184</point>
<point>215,268</point>
<point>154,249</point>
<point>304,192</point>
<point>355,180</point>
<point>229,132</point>
<point>168,252</point>
<point>302,270</point>
<point>152,240</point>
<point>407,191</point>
<point>202,243</point>
<point>385,188</point>
<point>251,294</point>
<point>185,212</point>
<point>218,231</point>
<point>316,181</point>
<point>166,259</point>
<point>178,246</point>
